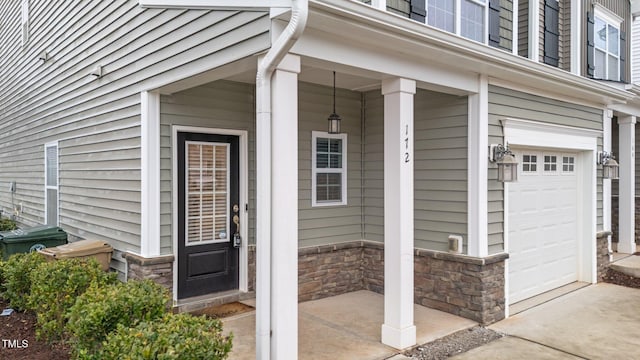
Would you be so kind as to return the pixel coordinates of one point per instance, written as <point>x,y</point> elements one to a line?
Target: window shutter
<point>623,56</point>
<point>418,10</point>
<point>590,45</point>
<point>494,23</point>
<point>551,32</point>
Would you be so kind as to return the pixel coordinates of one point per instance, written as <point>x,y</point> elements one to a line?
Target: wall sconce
<point>506,161</point>
<point>334,119</point>
<point>610,167</point>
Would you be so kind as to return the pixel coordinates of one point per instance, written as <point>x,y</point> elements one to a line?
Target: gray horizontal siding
<point>329,224</point>
<point>506,24</point>
<point>523,28</point>
<point>373,184</point>
<point>510,103</point>
<point>97,121</point>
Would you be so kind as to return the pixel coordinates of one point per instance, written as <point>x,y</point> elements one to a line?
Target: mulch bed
<point>618,278</point>
<point>18,339</point>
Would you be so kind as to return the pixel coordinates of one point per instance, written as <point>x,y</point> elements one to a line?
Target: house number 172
<point>407,157</point>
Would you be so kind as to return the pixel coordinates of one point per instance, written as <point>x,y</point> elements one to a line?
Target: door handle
<point>237,239</point>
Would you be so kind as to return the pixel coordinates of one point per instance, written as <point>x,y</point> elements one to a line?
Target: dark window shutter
<point>623,56</point>
<point>551,32</point>
<point>494,23</point>
<point>590,45</point>
<point>418,10</point>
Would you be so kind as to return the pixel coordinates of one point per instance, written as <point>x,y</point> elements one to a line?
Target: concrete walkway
<point>596,322</point>
<point>344,327</point>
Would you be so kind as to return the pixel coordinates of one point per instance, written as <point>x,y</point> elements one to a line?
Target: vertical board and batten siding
<point>440,168</point>
<point>97,121</point>
<point>635,50</point>
<point>440,133</point>
<point>506,103</point>
<point>220,105</point>
<point>329,224</point>
<point>541,31</point>
<point>523,28</point>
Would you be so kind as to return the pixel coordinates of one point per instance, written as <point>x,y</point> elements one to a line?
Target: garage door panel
<point>543,226</point>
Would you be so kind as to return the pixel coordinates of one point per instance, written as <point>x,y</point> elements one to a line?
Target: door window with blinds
<point>329,169</point>
<point>51,183</point>
<point>207,192</point>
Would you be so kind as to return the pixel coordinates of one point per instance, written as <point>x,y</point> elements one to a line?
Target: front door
<point>208,213</point>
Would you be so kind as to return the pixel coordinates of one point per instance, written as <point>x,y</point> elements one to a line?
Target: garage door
<point>543,223</point>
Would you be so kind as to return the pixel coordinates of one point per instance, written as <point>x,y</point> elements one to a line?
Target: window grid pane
<point>329,171</point>
<point>441,14</point>
<point>472,21</point>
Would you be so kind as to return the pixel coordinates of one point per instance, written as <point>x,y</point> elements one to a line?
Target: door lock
<point>237,239</point>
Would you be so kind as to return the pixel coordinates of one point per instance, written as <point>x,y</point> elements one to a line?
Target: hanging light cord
<point>334,92</point>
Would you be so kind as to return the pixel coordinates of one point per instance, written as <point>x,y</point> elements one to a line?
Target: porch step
<point>629,266</point>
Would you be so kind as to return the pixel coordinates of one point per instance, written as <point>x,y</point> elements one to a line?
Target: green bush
<point>101,309</point>
<point>55,287</point>
<point>7,224</point>
<point>174,337</point>
<point>17,278</point>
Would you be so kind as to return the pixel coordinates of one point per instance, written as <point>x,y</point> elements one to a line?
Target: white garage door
<point>543,223</point>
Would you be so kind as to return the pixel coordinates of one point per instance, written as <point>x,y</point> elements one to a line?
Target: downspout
<point>266,67</point>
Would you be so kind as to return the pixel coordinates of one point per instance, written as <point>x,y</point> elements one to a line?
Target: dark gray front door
<point>208,182</point>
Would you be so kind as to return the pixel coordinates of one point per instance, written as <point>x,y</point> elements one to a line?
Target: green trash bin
<point>30,239</point>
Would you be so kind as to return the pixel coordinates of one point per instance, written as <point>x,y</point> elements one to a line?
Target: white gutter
<point>266,67</point>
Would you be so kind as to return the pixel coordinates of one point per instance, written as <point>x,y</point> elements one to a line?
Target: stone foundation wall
<point>602,253</point>
<point>614,219</point>
<point>158,269</point>
<point>461,285</point>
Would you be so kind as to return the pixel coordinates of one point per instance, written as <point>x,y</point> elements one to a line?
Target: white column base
<point>399,338</point>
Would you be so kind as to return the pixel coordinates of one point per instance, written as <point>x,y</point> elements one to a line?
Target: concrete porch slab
<point>629,265</point>
<point>344,327</point>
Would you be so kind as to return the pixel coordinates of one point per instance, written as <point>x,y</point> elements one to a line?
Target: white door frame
<point>243,284</point>
<point>585,141</point>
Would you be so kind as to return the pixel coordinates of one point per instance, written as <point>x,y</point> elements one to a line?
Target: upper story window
<point>329,169</point>
<point>606,50</point>
<point>462,17</point>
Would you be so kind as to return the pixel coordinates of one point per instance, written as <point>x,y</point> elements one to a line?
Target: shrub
<point>101,309</point>
<point>55,287</point>
<point>7,224</point>
<point>17,278</point>
<point>174,337</point>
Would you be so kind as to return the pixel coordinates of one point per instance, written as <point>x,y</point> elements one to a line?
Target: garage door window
<point>550,163</point>
<point>568,164</point>
<point>529,163</point>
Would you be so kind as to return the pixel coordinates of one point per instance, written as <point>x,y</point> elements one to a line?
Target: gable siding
<point>440,205</point>
<point>634,39</point>
<point>505,103</point>
<point>564,41</point>
<point>96,121</point>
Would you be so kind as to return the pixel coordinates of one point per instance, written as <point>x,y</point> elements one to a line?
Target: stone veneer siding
<point>158,269</point>
<point>602,253</point>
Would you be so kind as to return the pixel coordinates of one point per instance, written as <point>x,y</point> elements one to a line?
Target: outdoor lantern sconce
<point>610,167</point>
<point>334,119</point>
<point>506,161</point>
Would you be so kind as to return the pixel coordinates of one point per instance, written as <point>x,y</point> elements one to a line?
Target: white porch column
<point>150,173</point>
<point>284,210</point>
<point>626,199</point>
<point>607,114</point>
<point>478,161</point>
<point>398,329</point>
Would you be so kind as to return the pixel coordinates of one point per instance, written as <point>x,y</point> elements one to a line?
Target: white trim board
<point>528,133</point>
<point>243,284</point>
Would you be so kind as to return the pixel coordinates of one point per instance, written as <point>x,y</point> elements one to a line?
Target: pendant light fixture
<point>334,119</point>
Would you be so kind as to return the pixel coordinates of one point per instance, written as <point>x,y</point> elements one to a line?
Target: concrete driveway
<point>596,322</point>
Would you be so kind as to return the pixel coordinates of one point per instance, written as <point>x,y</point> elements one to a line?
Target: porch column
<point>150,173</point>
<point>626,199</point>
<point>398,329</point>
<point>607,114</point>
<point>478,162</point>
<point>284,210</point>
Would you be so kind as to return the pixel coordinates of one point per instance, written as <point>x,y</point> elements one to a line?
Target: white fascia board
<point>533,133</point>
<point>628,109</point>
<point>215,4</point>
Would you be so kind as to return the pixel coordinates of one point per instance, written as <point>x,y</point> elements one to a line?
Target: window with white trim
<point>328,169</point>
<point>607,50</point>
<point>529,163</point>
<point>550,163</point>
<point>51,204</point>
<point>466,18</point>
